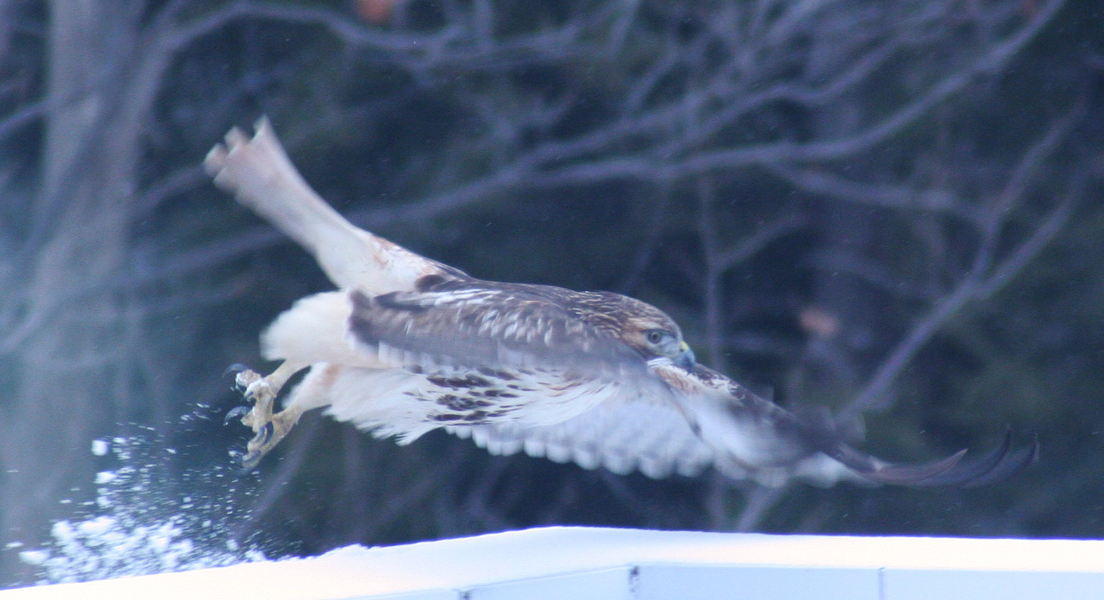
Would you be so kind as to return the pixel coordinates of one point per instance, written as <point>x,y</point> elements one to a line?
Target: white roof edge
<point>631,564</point>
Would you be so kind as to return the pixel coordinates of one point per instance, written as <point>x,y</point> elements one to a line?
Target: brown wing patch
<point>491,326</point>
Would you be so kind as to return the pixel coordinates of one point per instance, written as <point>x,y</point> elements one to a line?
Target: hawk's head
<point>647,330</point>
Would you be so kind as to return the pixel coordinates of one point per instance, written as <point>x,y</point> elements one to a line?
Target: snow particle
<point>34,557</point>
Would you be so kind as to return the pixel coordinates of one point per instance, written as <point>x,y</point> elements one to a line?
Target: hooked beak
<point>685,358</point>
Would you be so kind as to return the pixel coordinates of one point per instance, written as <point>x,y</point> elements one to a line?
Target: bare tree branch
<point>982,279</point>
<point>897,197</point>
<point>759,501</point>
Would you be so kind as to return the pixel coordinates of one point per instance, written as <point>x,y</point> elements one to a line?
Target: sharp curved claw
<point>235,413</point>
<point>234,369</point>
<point>265,434</point>
<point>239,459</point>
<point>250,461</point>
<point>258,446</point>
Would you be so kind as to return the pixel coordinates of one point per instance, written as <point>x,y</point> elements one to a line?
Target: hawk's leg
<point>269,428</point>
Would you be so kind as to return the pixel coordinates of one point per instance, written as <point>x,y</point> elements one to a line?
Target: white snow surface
<point>145,519</point>
<point>627,564</point>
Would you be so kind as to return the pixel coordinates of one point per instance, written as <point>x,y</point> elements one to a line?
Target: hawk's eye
<point>656,336</point>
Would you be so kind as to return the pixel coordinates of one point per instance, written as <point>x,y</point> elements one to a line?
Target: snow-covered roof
<point>613,564</point>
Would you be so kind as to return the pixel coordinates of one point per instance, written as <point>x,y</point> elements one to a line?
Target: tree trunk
<point>69,377</point>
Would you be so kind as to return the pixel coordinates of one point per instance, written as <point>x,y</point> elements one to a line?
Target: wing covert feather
<point>513,326</point>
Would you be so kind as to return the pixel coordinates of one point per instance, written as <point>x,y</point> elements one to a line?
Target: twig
<point>896,197</point>
<point>711,293</point>
<point>759,502</point>
<point>763,236</point>
<point>970,288</point>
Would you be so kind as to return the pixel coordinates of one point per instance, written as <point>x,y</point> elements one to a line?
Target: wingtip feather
<point>1000,463</point>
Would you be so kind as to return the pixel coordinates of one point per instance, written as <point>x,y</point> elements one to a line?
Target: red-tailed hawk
<point>409,345</point>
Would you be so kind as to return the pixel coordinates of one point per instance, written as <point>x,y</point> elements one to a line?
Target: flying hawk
<point>408,345</point>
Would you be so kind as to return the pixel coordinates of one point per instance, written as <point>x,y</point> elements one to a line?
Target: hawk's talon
<point>266,433</point>
<point>234,413</point>
<point>246,378</point>
<point>269,428</point>
<point>259,391</point>
<point>250,460</point>
<point>235,369</point>
<point>261,394</point>
<point>269,433</point>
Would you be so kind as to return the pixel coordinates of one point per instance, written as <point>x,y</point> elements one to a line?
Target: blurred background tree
<point>891,209</point>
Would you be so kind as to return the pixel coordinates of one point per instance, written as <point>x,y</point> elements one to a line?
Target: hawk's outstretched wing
<point>517,352</point>
<point>410,345</point>
<point>622,437</point>
<point>658,439</point>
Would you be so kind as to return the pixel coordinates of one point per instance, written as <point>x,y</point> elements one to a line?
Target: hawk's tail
<point>260,175</point>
